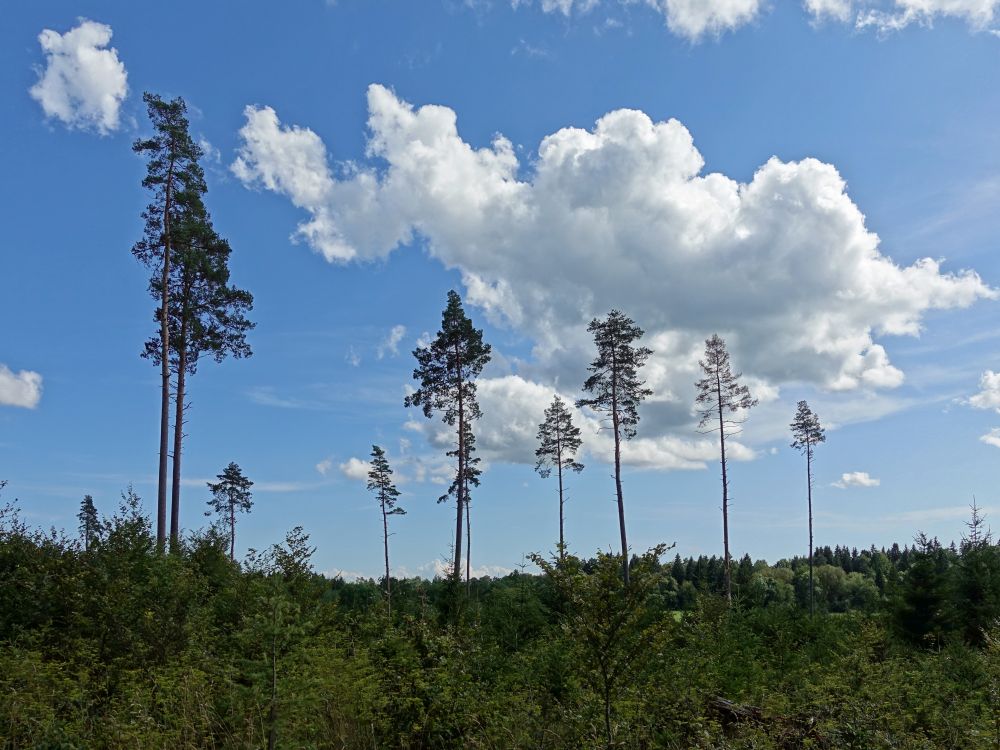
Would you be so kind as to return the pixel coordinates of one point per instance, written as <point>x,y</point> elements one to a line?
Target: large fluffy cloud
<point>619,215</point>
<point>22,388</point>
<point>84,83</point>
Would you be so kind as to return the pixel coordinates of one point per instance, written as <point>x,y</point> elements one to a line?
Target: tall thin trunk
<point>272,714</point>
<point>725,493</point>
<point>618,467</point>
<point>809,481</point>
<point>175,489</point>
<point>559,468</point>
<point>385,537</point>
<point>457,570</point>
<point>161,489</point>
<point>232,530</point>
<point>468,544</point>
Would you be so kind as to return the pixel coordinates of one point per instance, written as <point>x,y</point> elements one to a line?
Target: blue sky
<point>777,172</point>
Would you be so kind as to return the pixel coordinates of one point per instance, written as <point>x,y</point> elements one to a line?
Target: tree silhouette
<point>720,393</point>
<point>230,494</point>
<point>447,370</point>
<point>380,482</point>
<point>90,524</point>
<point>617,391</point>
<point>807,433</point>
<point>558,442</point>
<point>177,183</point>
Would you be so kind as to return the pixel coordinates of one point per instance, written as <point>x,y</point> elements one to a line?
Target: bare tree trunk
<point>559,468</point>
<point>457,570</point>
<point>468,544</point>
<point>385,536</point>
<point>161,489</point>
<point>232,530</point>
<point>725,494</point>
<point>618,476</point>
<point>175,490</point>
<point>272,714</point>
<point>809,481</point>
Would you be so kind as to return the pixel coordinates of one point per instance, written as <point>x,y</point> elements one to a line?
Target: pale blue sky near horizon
<point>908,118</point>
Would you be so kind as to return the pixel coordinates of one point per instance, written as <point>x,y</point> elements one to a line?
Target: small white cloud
<point>424,340</point>
<point>22,388</point>
<point>442,569</point>
<point>978,14</point>
<point>992,437</point>
<point>355,468</point>
<point>390,345</point>
<point>838,10</point>
<point>83,84</point>
<point>211,152</point>
<point>856,479</point>
<point>989,392</point>
<point>324,466</point>
<point>352,358</point>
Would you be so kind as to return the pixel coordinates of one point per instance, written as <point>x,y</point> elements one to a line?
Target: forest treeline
<point>106,642</point>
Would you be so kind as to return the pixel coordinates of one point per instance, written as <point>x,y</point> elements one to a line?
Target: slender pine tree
<point>723,401</point>
<point>558,442</point>
<point>229,495</point>
<point>90,524</point>
<point>177,184</point>
<point>807,433</point>
<point>617,391</point>
<point>447,370</point>
<point>380,482</point>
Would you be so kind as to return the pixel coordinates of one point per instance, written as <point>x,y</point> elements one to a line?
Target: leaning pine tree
<point>617,391</point>
<point>558,442</point>
<point>380,482</point>
<point>177,184</point>
<point>447,370</point>
<point>807,433</point>
<point>723,399</point>
<point>230,494</point>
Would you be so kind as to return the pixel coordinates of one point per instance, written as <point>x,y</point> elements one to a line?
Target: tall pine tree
<point>177,184</point>
<point>617,391</point>
<point>380,482</point>
<point>723,399</point>
<point>447,371</point>
<point>807,433</point>
<point>558,442</point>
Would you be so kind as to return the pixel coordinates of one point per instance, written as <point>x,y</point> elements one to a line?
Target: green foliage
<point>122,647</point>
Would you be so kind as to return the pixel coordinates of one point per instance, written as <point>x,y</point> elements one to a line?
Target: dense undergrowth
<point>119,646</point>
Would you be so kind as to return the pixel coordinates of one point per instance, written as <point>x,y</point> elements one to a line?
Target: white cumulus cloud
<point>989,392</point>
<point>992,437</point>
<point>355,468</point>
<point>856,479</point>
<point>83,83</point>
<point>22,388</point>
<point>619,215</point>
